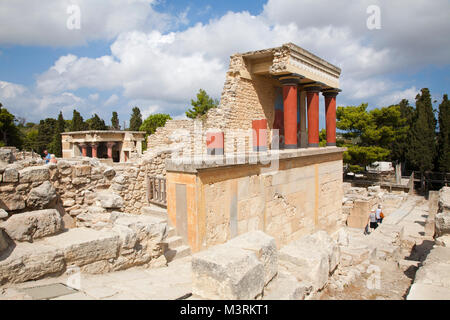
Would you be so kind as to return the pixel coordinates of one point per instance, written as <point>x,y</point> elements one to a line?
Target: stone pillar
<point>330,116</point>
<point>312,94</point>
<point>83,147</point>
<point>290,111</point>
<point>303,132</point>
<point>110,146</point>
<point>94,147</point>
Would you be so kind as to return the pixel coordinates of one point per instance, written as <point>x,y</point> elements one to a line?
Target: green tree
<point>135,120</point>
<point>422,150</point>
<point>46,133</point>
<point>96,123</point>
<point>78,123</point>
<point>31,142</point>
<point>55,146</point>
<point>115,121</point>
<point>201,106</point>
<point>401,143</point>
<point>153,122</point>
<point>10,133</point>
<point>444,135</point>
<point>364,136</point>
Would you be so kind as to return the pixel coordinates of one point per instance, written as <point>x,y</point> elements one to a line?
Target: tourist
<point>53,159</point>
<point>47,156</point>
<point>372,221</point>
<point>379,214</point>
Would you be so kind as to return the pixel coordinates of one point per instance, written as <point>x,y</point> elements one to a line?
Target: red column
<point>259,135</point>
<point>290,113</point>
<point>83,150</point>
<point>94,147</point>
<point>110,146</point>
<point>312,94</point>
<point>330,116</point>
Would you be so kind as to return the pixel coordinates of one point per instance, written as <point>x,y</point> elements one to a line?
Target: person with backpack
<point>379,214</point>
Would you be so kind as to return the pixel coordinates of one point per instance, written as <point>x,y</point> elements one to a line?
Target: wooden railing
<point>156,190</point>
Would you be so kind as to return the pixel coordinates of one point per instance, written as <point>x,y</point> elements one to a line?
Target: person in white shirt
<point>372,221</point>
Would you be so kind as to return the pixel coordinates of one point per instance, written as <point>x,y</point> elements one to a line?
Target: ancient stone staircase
<point>175,246</point>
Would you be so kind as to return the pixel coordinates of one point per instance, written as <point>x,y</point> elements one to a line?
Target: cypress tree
<point>135,120</point>
<point>444,135</point>
<point>46,133</point>
<point>422,147</point>
<point>115,121</point>
<point>96,123</point>
<point>56,145</point>
<point>78,123</point>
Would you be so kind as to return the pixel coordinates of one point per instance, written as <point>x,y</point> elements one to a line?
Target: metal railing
<point>156,190</point>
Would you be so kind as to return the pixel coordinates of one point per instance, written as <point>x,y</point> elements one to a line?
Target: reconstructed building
<point>275,93</point>
<point>118,146</point>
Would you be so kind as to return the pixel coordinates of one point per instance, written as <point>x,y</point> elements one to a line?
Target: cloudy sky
<point>156,54</point>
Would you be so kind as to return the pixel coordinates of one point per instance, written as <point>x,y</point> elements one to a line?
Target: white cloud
<point>111,100</point>
<point>44,22</point>
<point>396,96</point>
<point>94,96</point>
<point>161,71</point>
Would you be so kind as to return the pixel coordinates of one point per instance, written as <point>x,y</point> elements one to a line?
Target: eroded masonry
<point>240,204</point>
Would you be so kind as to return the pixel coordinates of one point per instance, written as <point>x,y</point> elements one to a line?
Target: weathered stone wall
<point>285,204</point>
<point>219,203</point>
<point>73,185</point>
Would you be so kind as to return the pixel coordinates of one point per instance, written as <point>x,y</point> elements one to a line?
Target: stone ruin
<point>79,213</point>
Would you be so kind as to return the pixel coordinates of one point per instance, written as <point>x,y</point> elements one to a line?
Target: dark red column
<point>94,147</point>
<point>83,150</point>
<point>330,116</point>
<point>312,94</point>
<point>290,112</point>
<point>110,146</point>
<point>259,135</point>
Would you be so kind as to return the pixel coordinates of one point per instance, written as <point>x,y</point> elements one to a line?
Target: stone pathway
<point>383,264</point>
<point>165,283</point>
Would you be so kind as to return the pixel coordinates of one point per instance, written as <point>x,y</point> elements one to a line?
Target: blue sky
<point>157,54</point>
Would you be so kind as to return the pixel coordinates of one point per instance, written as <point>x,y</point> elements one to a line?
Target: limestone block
<point>443,240</point>
<point>147,228</point>
<point>4,243</point>
<point>30,262</point>
<point>264,247</point>
<point>120,179</point>
<point>437,274</point>
<point>225,272</point>
<point>444,199</point>
<point>93,220</point>
<point>3,214</point>
<point>33,225</point>
<point>42,197</point>
<point>11,201</point>
<point>420,291</point>
<point>306,264</point>
<point>34,174</point>
<point>286,287</point>
<point>109,200</point>
<point>442,223</point>
<point>82,171</point>
<point>82,246</point>
<point>321,241</point>
<point>10,175</point>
